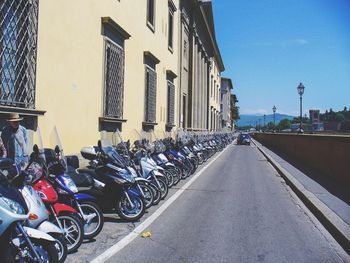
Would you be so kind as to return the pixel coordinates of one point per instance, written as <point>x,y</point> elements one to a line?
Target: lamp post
<point>301,89</point>
<point>274,116</point>
<point>264,121</point>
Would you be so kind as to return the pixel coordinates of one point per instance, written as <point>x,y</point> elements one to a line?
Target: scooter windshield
<point>114,156</point>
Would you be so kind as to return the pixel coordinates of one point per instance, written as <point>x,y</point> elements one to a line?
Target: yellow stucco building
<point>99,66</point>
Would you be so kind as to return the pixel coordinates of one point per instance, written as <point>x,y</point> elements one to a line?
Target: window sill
<point>148,126</point>
<point>110,124</point>
<point>22,111</point>
<point>149,123</point>
<point>113,120</point>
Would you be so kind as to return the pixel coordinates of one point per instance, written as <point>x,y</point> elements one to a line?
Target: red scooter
<point>64,216</point>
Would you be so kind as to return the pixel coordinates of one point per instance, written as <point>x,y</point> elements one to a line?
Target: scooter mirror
<point>57,149</point>
<point>99,144</point>
<point>35,149</point>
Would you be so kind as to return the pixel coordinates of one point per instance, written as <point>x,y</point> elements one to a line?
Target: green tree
<point>270,126</point>
<point>234,109</point>
<point>339,117</point>
<point>284,124</point>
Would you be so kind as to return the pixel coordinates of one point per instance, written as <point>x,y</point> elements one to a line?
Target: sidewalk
<point>328,208</point>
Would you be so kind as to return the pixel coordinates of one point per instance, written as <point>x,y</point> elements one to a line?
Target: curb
<point>329,219</point>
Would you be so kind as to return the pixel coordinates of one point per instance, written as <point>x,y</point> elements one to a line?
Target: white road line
<point>138,230</point>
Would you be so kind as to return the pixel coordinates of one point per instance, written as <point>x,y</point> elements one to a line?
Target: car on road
<point>244,138</point>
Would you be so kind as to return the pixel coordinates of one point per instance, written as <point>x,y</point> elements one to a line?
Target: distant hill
<point>252,120</point>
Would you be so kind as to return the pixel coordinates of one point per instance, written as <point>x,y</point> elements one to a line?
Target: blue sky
<point>269,46</point>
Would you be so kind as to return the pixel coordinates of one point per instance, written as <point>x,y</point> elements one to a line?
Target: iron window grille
<point>114,80</point>
<point>171,103</point>
<point>151,95</point>
<point>18,51</point>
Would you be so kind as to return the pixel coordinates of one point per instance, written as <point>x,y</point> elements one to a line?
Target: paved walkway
<point>341,208</point>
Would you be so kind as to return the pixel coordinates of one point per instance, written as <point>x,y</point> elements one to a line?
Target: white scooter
<point>18,242</point>
<point>38,217</point>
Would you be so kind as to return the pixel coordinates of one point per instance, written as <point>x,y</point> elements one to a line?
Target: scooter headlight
<point>14,206</point>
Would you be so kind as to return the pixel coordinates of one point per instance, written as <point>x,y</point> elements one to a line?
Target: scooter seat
<point>81,179</point>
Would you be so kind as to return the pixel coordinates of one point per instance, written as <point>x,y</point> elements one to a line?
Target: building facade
<point>225,107</point>
<point>200,62</point>
<point>99,66</point>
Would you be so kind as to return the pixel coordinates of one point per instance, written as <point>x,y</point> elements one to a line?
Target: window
<point>171,98</point>
<point>214,89</point>
<point>171,29</point>
<point>151,95</point>
<point>217,93</point>
<point>172,9</point>
<point>114,80</point>
<point>171,103</point>
<point>18,42</point>
<point>150,88</point>
<point>114,61</point>
<point>151,13</point>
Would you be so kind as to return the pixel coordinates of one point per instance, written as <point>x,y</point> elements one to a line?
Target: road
<point>238,210</point>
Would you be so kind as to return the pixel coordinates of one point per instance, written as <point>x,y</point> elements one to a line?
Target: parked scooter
<point>20,243</point>
<point>148,190</point>
<point>118,192</point>
<point>148,168</point>
<point>38,217</point>
<point>85,204</point>
<point>169,170</point>
<point>64,216</point>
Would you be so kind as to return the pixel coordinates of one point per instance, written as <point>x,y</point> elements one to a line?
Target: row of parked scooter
<point>49,206</point>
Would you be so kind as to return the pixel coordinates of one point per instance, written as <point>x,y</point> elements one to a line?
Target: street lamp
<point>301,89</point>
<point>274,116</point>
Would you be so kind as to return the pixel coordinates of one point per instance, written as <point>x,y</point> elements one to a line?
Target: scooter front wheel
<point>61,247</point>
<point>163,187</point>
<point>72,227</point>
<point>147,194</point>
<point>175,174</point>
<point>46,251</point>
<point>169,177</point>
<point>93,219</point>
<point>128,212</point>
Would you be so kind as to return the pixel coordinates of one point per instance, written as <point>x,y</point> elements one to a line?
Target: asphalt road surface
<point>238,210</point>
